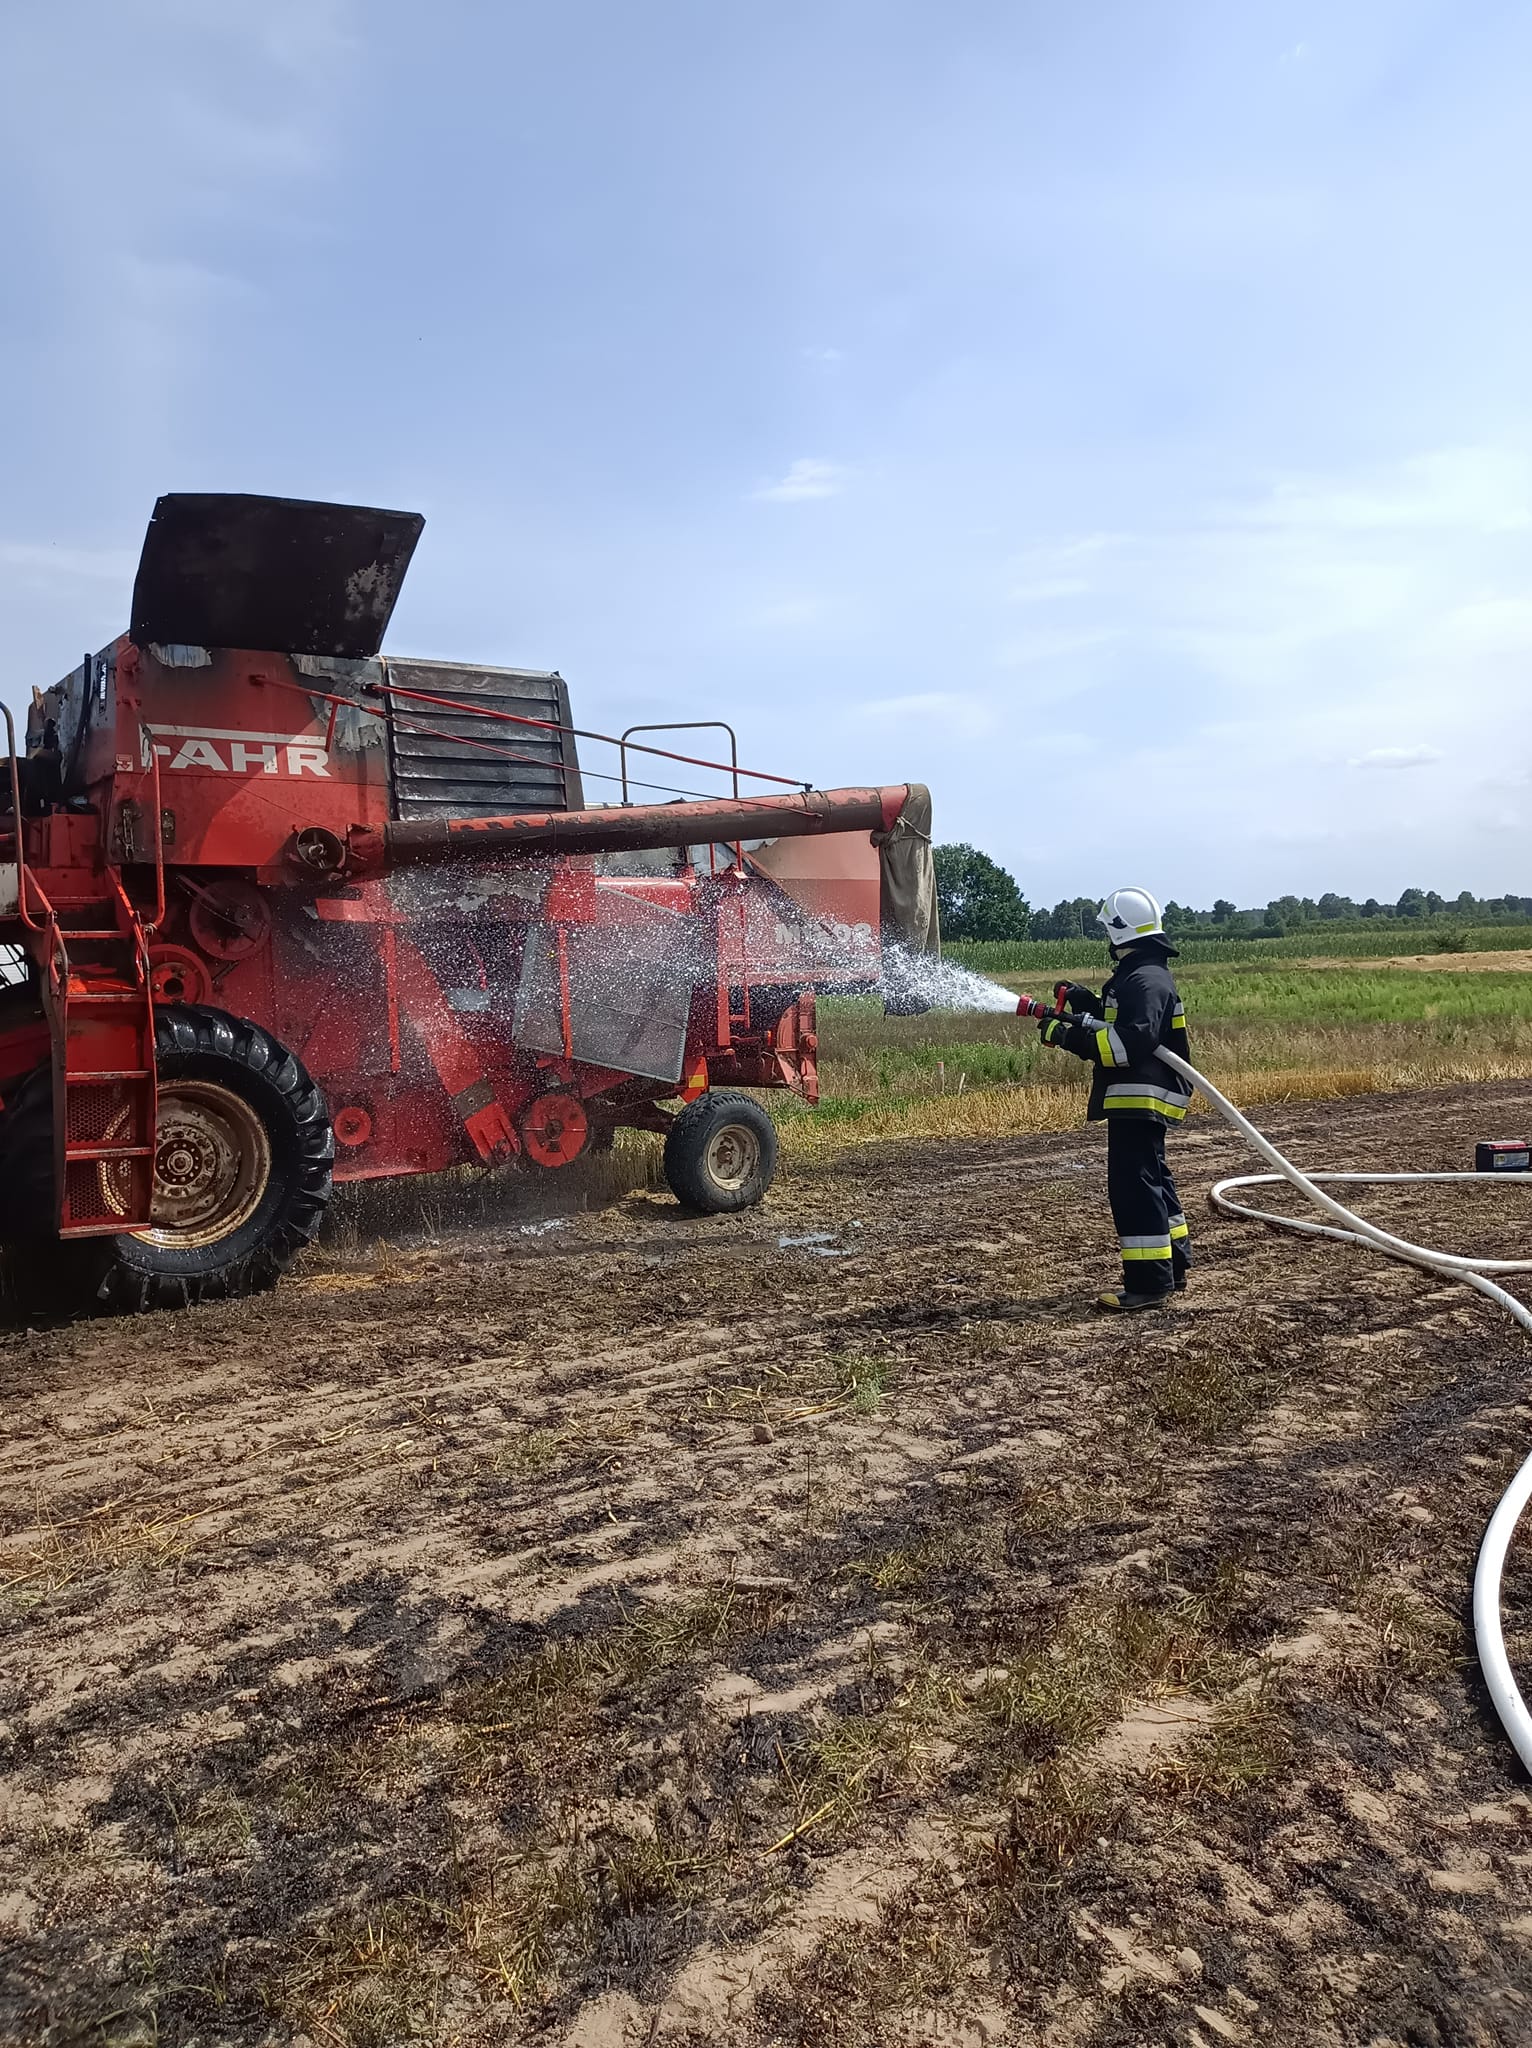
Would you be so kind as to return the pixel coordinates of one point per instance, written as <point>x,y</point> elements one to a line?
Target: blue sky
<point>1115,415</point>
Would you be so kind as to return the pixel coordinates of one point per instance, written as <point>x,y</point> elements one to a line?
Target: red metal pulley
<point>177,975</point>
<point>229,919</point>
<point>554,1128</point>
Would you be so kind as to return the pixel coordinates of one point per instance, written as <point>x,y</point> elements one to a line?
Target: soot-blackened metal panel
<point>630,975</point>
<point>451,761</point>
<point>285,574</point>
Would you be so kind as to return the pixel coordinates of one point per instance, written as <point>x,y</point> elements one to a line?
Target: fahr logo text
<point>214,752</point>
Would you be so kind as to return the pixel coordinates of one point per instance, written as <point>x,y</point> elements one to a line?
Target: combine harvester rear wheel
<point>721,1153</point>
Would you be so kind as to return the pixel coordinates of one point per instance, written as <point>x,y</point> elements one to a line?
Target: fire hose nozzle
<point>1031,1006</point>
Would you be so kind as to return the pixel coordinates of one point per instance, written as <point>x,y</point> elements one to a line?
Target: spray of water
<point>645,963</point>
<point>925,981</point>
<point>909,983</point>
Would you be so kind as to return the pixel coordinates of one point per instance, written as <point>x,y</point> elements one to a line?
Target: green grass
<point>1232,997</point>
<point>1264,1029</point>
<point>1313,942</point>
<point>1241,1019</point>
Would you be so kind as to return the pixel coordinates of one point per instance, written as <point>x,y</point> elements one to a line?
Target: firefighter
<point>1137,1096</point>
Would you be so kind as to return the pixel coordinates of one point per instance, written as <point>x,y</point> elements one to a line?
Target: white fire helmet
<point>1130,914</point>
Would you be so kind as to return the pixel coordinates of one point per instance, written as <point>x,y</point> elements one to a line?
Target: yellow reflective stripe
<point>1145,1251</point>
<point>1142,930</point>
<point>1145,1102</point>
<point>1180,1230</point>
<point>1178,1021</point>
<point>1104,1047</point>
<point>1109,1011</point>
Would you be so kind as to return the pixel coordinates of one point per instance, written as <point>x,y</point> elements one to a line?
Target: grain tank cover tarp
<point>287,575</point>
<point>908,894</point>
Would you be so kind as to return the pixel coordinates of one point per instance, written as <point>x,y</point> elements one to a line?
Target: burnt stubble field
<point>808,1628</point>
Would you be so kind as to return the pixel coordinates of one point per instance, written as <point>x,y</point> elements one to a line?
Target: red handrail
<point>684,725</point>
<point>503,753</point>
<point>435,732</point>
<point>21,856</point>
<point>159,851</point>
<point>580,733</point>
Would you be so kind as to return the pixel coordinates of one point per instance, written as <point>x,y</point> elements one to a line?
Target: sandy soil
<point>807,1627</point>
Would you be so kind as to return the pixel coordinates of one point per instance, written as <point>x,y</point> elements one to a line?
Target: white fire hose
<point>1488,1634</point>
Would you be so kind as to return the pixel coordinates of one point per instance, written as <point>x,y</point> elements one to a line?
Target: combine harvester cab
<point>282,918</point>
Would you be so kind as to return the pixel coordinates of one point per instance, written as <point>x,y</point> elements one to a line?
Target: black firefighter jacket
<point>1139,1011</point>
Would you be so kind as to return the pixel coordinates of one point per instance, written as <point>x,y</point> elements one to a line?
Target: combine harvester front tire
<point>242,1172</point>
<point>721,1153</point>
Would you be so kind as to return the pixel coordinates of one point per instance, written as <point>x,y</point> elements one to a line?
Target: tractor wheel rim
<point>212,1166</point>
<point>733,1154</point>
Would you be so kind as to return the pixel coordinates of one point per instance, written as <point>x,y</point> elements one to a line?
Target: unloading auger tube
<point>1488,1634</point>
<point>620,828</point>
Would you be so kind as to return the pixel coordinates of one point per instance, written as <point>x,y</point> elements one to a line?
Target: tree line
<point>980,900</point>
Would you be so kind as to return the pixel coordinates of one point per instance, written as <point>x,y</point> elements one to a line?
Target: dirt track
<point>648,1629</point>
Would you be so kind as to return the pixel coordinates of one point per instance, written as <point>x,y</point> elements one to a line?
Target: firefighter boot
<point>1121,1301</point>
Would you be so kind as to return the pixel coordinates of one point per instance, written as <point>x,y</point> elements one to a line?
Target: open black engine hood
<point>287,575</point>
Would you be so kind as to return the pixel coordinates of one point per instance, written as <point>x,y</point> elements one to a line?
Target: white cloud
<point>1397,757</point>
<point>807,478</point>
<point>238,145</point>
<point>1074,746</point>
<point>1028,649</point>
<point>1484,490</point>
<point>165,283</point>
<point>955,713</point>
<point>1310,640</point>
<point>786,612</point>
<point>295,36</point>
<point>34,562</point>
<point>1047,592</point>
<point>1327,593</point>
<point>1490,625</point>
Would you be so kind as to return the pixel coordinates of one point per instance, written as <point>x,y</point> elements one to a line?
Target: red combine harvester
<point>285,918</point>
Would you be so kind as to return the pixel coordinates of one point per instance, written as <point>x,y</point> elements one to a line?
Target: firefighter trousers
<point>1156,1244</point>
